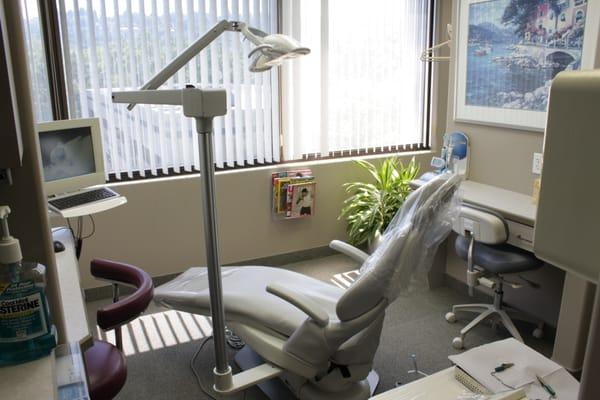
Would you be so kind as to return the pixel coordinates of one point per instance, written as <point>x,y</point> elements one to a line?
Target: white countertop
<point>30,381</point>
<point>69,282</point>
<point>37,379</point>
<point>515,206</point>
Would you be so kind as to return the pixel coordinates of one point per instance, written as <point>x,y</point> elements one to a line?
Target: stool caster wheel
<point>450,317</point>
<point>538,333</point>
<point>457,343</point>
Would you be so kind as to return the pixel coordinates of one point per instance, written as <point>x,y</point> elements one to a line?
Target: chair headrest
<point>408,245</point>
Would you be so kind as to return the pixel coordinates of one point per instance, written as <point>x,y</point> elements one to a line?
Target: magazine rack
<point>293,194</point>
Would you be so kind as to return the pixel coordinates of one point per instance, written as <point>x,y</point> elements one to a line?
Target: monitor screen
<point>67,153</point>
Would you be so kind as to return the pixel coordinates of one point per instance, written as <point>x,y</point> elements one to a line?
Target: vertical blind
<point>113,45</point>
<point>34,42</point>
<point>363,86</point>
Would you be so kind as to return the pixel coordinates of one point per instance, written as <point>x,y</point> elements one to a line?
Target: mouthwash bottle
<point>26,331</point>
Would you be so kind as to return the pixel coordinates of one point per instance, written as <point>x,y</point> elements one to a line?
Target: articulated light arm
<point>193,50</point>
<point>270,51</point>
<point>197,103</point>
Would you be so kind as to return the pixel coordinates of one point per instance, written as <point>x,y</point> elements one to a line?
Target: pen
<point>546,386</point>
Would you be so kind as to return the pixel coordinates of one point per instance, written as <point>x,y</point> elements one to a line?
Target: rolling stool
<point>482,243</point>
<point>105,364</point>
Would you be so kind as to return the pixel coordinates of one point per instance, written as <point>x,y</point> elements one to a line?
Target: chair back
<point>408,247</point>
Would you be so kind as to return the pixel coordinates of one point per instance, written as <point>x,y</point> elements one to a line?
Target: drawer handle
<point>524,239</point>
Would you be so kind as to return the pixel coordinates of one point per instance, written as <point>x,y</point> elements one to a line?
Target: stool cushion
<point>106,369</point>
<point>498,259</point>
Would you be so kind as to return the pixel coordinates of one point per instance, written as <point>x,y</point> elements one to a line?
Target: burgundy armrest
<point>128,308</point>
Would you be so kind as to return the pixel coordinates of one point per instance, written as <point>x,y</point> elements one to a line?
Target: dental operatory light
<point>271,50</point>
<point>203,105</point>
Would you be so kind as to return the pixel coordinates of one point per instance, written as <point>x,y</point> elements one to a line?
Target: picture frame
<point>505,60</point>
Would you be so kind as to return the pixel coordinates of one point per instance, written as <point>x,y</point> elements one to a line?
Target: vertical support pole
<point>222,371</point>
<point>470,265</point>
<point>118,333</point>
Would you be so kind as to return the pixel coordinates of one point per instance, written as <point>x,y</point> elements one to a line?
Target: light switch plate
<point>538,160</point>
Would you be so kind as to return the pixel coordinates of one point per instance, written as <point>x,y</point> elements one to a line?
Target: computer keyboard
<point>82,198</point>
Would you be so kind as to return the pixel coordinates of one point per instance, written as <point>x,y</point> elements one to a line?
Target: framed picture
<point>508,52</point>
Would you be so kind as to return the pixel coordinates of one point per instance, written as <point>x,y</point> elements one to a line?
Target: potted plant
<point>371,206</point>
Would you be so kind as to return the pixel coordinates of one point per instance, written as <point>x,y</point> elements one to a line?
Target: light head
<point>271,50</point>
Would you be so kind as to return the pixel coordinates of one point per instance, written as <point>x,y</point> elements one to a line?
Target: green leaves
<point>371,206</point>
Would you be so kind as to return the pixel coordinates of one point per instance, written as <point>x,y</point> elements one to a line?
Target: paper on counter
<point>481,361</point>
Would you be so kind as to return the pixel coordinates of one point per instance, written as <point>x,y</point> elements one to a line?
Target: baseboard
<point>105,292</point>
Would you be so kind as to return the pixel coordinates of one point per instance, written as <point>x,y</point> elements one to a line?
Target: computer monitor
<point>71,154</point>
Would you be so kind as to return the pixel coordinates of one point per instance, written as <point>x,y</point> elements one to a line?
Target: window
<point>363,88</point>
<point>42,106</point>
<point>579,16</point>
<point>118,45</point>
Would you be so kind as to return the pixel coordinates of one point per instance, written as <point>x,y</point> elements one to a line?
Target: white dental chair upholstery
<point>322,336</point>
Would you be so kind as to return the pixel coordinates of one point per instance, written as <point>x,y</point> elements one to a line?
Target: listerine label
<point>22,315</point>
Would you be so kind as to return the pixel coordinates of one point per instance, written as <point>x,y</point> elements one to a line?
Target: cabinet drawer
<point>520,235</point>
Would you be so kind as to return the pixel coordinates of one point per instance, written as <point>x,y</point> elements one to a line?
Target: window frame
<point>49,19</point>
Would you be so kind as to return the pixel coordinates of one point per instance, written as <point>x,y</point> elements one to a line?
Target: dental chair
<point>320,337</point>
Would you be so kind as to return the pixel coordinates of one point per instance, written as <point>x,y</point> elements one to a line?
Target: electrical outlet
<point>538,161</point>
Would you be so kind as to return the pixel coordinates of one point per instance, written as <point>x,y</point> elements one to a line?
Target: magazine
<point>301,199</point>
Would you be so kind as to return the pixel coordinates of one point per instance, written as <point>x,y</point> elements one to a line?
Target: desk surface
<point>513,205</point>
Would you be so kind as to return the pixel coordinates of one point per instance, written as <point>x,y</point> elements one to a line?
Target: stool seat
<point>106,368</point>
<point>498,259</point>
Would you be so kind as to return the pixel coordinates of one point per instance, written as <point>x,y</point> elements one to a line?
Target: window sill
<point>404,155</point>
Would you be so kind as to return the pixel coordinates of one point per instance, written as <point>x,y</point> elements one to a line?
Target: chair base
<point>495,312</point>
<point>276,389</point>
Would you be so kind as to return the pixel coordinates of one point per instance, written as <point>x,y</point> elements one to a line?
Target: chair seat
<point>498,259</point>
<point>245,296</point>
<point>107,370</point>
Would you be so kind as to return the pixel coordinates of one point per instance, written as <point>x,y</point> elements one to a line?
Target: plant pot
<point>375,241</point>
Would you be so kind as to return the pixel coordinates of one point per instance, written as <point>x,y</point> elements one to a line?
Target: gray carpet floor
<point>414,324</point>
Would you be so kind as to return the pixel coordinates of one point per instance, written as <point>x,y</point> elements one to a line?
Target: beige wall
<point>160,227</point>
<point>499,156</point>
<point>503,157</point>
